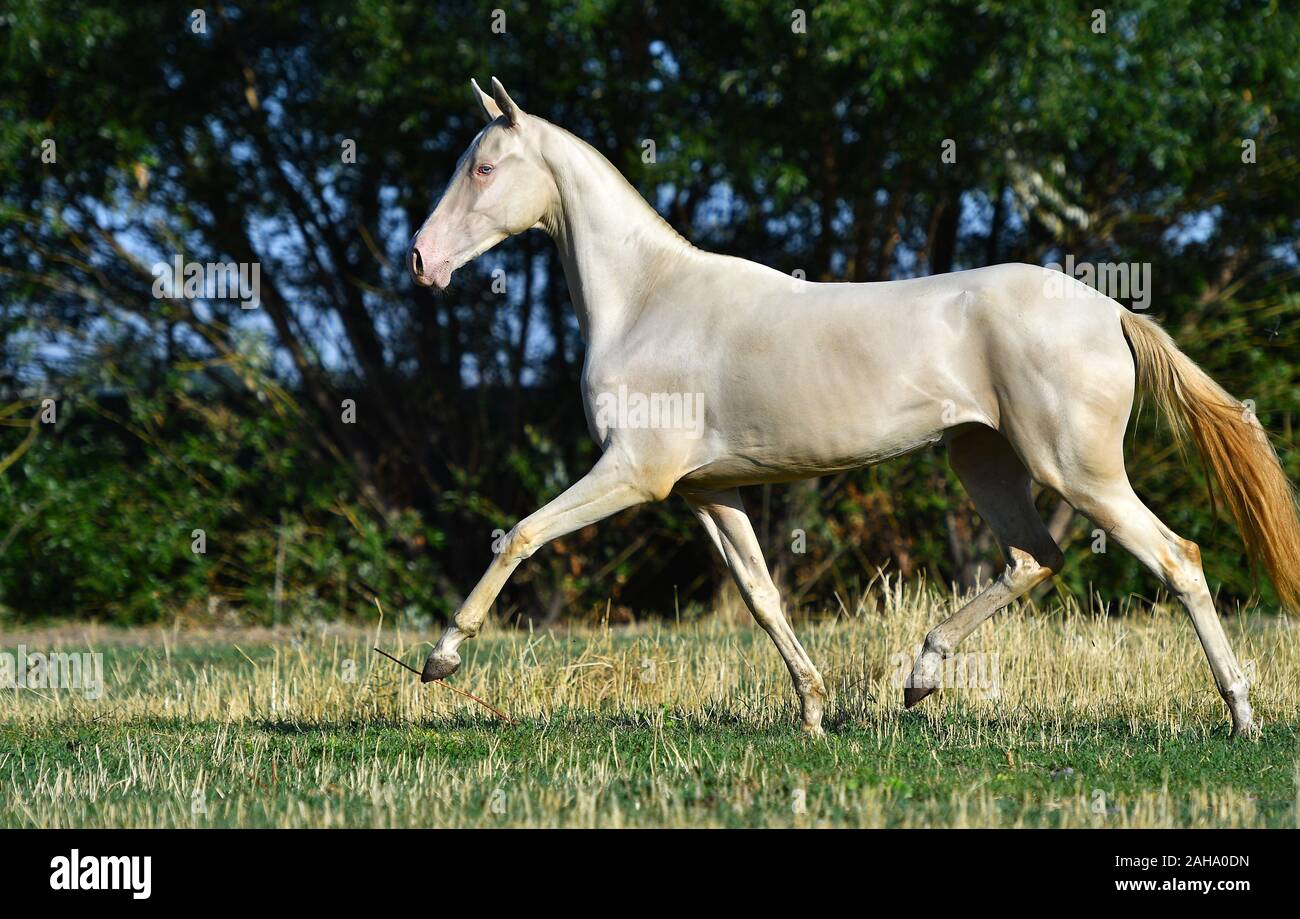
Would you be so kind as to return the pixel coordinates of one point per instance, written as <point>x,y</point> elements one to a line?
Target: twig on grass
<point>455,689</point>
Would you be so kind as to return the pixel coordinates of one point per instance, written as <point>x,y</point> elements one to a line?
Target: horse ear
<point>485,102</point>
<point>507,105</point>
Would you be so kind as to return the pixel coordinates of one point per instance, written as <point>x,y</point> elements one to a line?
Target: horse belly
<point>793,432</point>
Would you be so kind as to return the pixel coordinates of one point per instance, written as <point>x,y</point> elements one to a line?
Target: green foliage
<point>105,509</point>
<point>814,150</point>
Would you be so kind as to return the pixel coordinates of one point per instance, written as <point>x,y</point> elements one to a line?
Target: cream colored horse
<point>1024,378</point>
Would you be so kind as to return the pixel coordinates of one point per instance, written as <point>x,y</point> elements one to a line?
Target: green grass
<point>1098,722</point>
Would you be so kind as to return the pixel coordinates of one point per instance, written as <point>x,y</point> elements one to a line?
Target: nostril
<point>417,263</point>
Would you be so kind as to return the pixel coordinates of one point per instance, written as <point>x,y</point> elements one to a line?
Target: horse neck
<point>613,245</point>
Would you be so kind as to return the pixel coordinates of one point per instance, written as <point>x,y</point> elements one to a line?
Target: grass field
<point>1076,720</point>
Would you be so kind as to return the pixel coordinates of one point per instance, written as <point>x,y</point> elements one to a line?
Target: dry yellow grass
<point>1079,720</point>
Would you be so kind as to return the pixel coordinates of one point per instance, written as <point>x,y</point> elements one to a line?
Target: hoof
<point>912,695</point>
<point>1247,732</point>
<point>1243,718</point>
<point>439,666</point>
<point>812,702</point>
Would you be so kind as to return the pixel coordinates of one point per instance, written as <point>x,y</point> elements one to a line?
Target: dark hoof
<point>439,666</point>
<point>914,694</point>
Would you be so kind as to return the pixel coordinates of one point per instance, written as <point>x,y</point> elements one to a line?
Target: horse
<point>1024,373</point>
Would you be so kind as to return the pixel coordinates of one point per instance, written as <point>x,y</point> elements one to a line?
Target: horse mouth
<point>441,276</point>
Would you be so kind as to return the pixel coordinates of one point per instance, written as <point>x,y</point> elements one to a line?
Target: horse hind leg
<point>1083,460</point>
<point>1177,563</point>
<point>999,485</point>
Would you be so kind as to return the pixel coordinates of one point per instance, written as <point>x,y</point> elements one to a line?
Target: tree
<point>312,142</point>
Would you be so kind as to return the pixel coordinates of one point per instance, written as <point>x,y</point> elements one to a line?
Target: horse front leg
<point>612,485</point>
<point>724,517</point>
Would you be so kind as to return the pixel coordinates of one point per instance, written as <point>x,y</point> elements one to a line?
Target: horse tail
<point>1233,445</point>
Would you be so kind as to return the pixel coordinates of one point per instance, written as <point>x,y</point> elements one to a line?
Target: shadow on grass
<point>910,728</point>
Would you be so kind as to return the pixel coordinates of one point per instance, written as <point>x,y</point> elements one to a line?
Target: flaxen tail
<point>1233,445</point>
